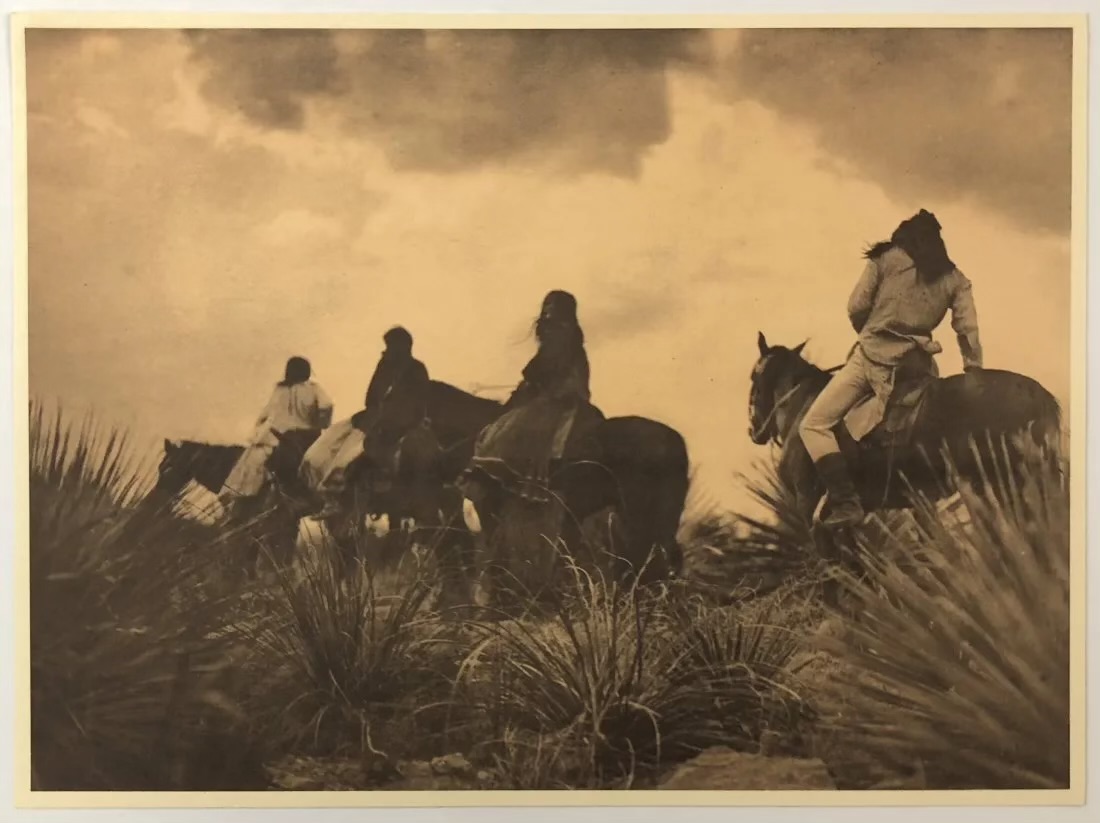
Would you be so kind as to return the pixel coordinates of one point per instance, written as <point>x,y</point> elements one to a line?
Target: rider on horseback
<point>906,289</point>
<point>396,403</point>
<point>298,407</point>
<point>549,411</point>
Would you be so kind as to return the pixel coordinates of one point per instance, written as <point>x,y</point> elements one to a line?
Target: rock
<point>449,772</point>
<point>454,764</point>
<point>724,769</point>
<point>297,783</point>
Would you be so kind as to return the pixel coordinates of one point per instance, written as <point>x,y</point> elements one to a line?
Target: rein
<point>781,402</point>
<point>776,406</point>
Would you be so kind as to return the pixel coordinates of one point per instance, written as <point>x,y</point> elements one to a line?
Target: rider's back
<point>906,307</point>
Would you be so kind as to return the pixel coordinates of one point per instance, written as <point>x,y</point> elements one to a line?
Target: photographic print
<point>592,410</point>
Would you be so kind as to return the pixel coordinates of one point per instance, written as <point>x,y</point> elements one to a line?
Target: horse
<point>272,514</point>
<point>184,461</point>
<point>951,435</point>
<point>642,475</point>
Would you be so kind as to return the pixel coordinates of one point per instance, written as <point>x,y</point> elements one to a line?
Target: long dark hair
<point>920,238</point>
<point>559,311</point>
<point>297,371</point>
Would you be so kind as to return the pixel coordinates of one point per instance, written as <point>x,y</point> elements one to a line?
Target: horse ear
<point>169,445</point>
<point>761,342</point>
<point>798,349</point>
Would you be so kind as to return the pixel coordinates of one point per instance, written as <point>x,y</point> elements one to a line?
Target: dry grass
<point>620,682</point>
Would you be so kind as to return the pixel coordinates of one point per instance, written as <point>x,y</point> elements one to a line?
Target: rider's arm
<point>324,407</point>
<point>374,389</point>
<point>265,414</point>
<point>419,388</point>
<point>964,320</point>
<point>862,298</point>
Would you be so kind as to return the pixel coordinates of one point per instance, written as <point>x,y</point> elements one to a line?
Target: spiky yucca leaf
<point>960,657</point>
<point>122,659</point>
<point>757,554</point>
<point>340,654</point>
<point>619,682</point>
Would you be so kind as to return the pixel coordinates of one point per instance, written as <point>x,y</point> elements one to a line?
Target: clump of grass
<point>959,658</point>
<point>343,657</point>
<point>126,664</point>
<point>749,659</point>
<point>618,683</point>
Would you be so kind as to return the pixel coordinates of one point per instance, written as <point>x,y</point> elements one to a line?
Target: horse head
<point>185,461</point>
<point>773,378</point>
<point>174,471</point>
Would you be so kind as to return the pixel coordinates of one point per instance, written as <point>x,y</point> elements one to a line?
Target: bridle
<point>766,431</point>
<point>777,406</point>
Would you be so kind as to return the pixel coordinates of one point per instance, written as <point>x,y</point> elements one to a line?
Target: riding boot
<point>844,502</point>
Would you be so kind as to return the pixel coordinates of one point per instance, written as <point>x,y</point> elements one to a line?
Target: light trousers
<point>856,380</point>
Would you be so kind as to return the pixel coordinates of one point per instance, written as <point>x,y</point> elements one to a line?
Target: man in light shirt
<point>907,287</point>
<point>297,406</point>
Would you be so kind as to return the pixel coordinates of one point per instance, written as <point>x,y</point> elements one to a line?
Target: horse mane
<point>445,393</point>
<point>805,370</point>
<point>458,415</point>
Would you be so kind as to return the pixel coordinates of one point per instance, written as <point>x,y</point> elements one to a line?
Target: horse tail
<point>1047,426</point>
<point>1046,432</point>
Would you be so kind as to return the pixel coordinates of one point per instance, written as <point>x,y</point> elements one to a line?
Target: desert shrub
<point>344,663</point>
<point>126,658</point>
<point>743,555</point>
<point>958,658</point>
<point>619,682</point>
<point>749,658</point>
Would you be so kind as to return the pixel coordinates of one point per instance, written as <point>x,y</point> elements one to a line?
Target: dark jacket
<point>397,398</point>
<point>559,370</point>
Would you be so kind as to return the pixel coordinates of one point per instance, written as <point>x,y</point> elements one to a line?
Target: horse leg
<point>651,507</point>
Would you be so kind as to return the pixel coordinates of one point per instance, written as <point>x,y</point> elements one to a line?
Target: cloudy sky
<point>205,204</point>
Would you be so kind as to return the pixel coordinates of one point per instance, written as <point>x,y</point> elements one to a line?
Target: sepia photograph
<point>626,410</point>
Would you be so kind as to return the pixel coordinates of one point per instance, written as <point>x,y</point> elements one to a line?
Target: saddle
<point>397,462</point>
<point>519,461</point>
<point>895,429</point>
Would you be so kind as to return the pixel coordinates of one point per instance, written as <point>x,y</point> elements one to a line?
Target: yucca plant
<point>752,555</point>
<point>958,659</point>
<point>618,683</point>
<point>749,659</point>
<point>340,655</point>
<point>125,664</point>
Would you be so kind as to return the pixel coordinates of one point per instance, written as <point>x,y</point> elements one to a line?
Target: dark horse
<point>961,418</point>
<point>642,475</point>
<point>209,464</point>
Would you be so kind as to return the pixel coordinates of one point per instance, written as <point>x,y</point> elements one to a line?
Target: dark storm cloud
<point>267,75</point>
<point>581,100</point>
<point>937,114</point>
